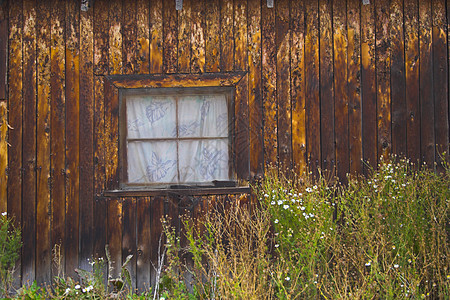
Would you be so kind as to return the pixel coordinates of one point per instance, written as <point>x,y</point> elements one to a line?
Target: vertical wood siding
<point>329,84</point>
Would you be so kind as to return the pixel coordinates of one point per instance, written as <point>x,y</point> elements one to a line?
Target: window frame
<point>228,91</point>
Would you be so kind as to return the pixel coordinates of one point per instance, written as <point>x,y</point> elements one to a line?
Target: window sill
<point>179,192</point>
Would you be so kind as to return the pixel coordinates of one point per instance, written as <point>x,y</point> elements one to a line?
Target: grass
<point>384,236</point>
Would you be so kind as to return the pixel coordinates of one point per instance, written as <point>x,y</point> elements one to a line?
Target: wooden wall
<point>330,84</point>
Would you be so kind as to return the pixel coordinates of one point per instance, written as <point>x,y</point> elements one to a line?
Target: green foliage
<point>10,244</point>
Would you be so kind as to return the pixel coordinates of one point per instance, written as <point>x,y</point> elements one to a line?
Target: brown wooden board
<point>3,49</point>
<point>157,239</point>
<point>156,36</point>
<point>412,80</point>
<point>114,235</point>
<point>86,138</point>
<point>242,147</point>
<point>143,37</point>
<point>398,80</point>
<point>269,97</point>
<point>283,77</point>
<point>240,35</point>
<point>129,237</point>
<point>254,92</point>
<point>99,169</point>
<point>383,60</point>
<point>111,136</point>
<point>427,141</point>
<point>101,37</point>
<point>3,156</point>
<point>298,86</point>
<point>354,85</point>
<point>15,121</point>
<point>143,240</point>
<point>43,242</point>
<point>170,40</point>
<point>129,35</point>
<point>212,36</point>
<point>369,96</point>
<point>115,37</point>
<point>327,136</point>
<point>440,81</point>
<point>72,135</point>
<point>341,97</point>
<point>226,36</point>
<point>198,26</point>
<point>312,88</point>
<point>57,132</point>
<point>184,38</point>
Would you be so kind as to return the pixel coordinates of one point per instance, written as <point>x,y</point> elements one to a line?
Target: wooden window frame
<point>114,85</point>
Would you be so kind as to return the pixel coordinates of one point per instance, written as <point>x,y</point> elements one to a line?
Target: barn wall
<point>331,84</point>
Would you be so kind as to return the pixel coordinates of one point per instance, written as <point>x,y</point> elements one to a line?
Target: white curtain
<point>177,139</point>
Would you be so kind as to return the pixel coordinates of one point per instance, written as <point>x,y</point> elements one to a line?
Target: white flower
<point>368,263</point>
<point>285,206</point>
<point>315,187</point>
<point>89,288</point>
<point>272,203</point>
<point>308,189</point>
<point>280,202</point>
<point>288,278</point>
<point>276,221</point>
<point>4,213</point>
<point>393,247</point>
<point>77,287</point>
<point>276,245</point>
<point>396,266</point>
<point>265,195</point>
<point>302,208</point>
<point>67,291</point>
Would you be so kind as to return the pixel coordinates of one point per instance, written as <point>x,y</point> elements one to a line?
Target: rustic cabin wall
<point>329,84</point>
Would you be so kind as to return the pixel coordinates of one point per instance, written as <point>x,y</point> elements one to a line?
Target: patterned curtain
<point>177,139</point>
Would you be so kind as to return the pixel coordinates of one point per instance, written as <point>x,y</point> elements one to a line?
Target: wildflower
<point>396,266</point>
<point>309,190</point>
<point>265,195</point>
<point>393,247</point>
<point>285,206</point>
<point>89,288</point>
<point>315,187</point>
<point>288,278</point>
<point>77,287</point>
<point>276,245</point>
<point>276,221</point>
<point>302,208</point>
<point>448,277</point>
<point>409,260</point>
<point>368,263</point>
<point>272,203</point>
<point>4,213</point>
<point>67,291</point>
<point>280,202</point>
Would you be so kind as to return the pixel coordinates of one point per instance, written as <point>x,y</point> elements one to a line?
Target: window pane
<point>203,116</point>
<point>204,160</point>
<point>151,116</point>
<point>150,162</point>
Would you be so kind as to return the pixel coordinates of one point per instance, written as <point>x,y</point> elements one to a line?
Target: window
<point>176,137</point>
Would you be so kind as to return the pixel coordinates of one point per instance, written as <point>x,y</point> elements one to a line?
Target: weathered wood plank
<point>111,136</point>
<point>440,80</point>
<point>72,135</point>
<point>129,35</point>
<point>115,37</point>
<point>283,77</point>
<point>157,239</point>
<point>15,120</point>
<point>86,138</point>
<point>3,49</point>
<point>99,168</point>
<point>184,38</point>
<point>383,78</point>
<point>269,85</point>
<point>198,36</point>
<point>298,86</point>
<point>354,85</point>
<point>114,233</point>
<point>143,37</point>
<point>398,81</point>
<point>170,40</point>
<point>57,133</point>
<point>369,96</point>
<point>3,156</point>
<point>143,259</point>
<point>412,80</point>
<point>156,36</point>
<point>240,35</point>
<point>427,144</point>
<point>341,91</point>
<point>101,37</point>
<point>226,36</point>
<point>312,85</point>
<point>43,242</point>
<point>327,136</point>
<point>212,34</point>
<point>241,130</point>
<point>129,237</point>
<point>254,92</point>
